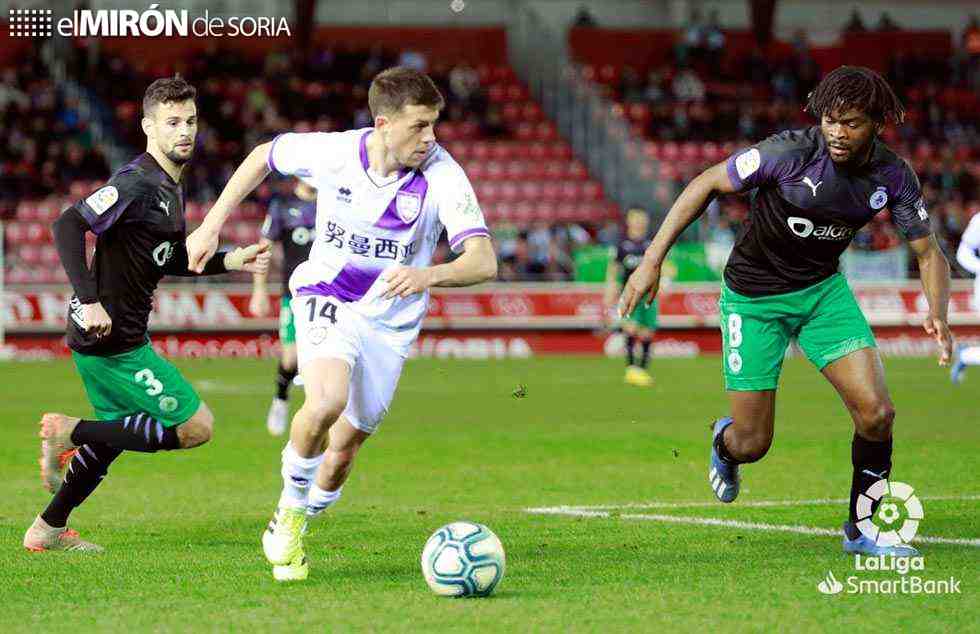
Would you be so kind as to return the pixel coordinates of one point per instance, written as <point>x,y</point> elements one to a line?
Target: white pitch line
<point>752,504</point>
<point>757,526</point>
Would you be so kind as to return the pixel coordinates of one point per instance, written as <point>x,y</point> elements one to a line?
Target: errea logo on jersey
<point>805,228</point>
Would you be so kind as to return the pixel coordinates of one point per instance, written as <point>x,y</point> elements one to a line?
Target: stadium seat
<point>37,233</point>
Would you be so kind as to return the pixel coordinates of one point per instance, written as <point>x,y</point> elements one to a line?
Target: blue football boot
<point>864,546</point>
<point>956,371</point>
<point>723,476</point>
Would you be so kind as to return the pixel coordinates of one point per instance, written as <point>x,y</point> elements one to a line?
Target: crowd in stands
<point>702,104</point>
<point>694,110</point>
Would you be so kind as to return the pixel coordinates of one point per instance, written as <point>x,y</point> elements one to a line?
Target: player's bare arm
<point>645,281</point>
<point>477,264</point>
<point>258,304</point>
<point>934,271</point>
<point>613,271</point>
<point>203,241</point>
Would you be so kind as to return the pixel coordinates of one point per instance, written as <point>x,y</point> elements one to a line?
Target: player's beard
<point>178,159</point>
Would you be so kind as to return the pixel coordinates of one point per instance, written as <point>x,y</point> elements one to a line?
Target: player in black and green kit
<point>640,324</point>
<point>813,189</point>
<point>290,220</point>
<point>141,401</point>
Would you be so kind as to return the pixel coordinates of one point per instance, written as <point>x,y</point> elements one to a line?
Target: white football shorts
<point>328,329</point>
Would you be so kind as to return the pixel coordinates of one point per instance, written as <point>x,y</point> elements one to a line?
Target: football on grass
<point>463,559</point>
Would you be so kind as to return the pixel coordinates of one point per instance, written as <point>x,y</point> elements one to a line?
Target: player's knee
<point>326,409</point>
<point>198,430</point>
<point>875,420</point>
<point>750,446</point>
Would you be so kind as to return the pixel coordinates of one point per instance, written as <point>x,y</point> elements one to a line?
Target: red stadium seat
<point>516,92</point>
<point>561,151</point>
<point>480,151</point>
<point>469,130</point>
<point>524,212</point>
<point>509,191</point>
<point>497,93</point>
<point>531,112</point>
<point>531,190</point>
<point>546,212</point>
<point>448,131</point>
<point>37,233</point>
<point>29,254</point>
<point>552,190</point>
<point>545,131</point>
<point>591,190</point>
<point>524,131</point>
<point>26,210</point>
<point>49,256</point>
<point>459,150</point>
<point>521,151</point>
<point>15,232</point>
<point>511,112</point>
<point>502,150</point>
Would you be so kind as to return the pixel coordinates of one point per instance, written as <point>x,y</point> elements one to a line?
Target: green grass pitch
<point>182,529</point>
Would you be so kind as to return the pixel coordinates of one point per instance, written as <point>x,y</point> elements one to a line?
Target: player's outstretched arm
<point>251,259</point>
<point>258,304</point>
<point>203,241</point>
<point>645,280</point>
<point>612,285</point>
<point>934,271</point>
<point>477,264</point>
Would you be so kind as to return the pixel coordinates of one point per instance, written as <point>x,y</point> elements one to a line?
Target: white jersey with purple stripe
<point>365,224</point>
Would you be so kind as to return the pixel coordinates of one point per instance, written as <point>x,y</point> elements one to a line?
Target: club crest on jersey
<point>102,199</point>
<point>408,205</point>
<point>747,163</point>
<point>878,199</point>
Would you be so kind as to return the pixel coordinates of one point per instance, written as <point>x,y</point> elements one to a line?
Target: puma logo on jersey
<point>809,183</point>
<point>164,205</point>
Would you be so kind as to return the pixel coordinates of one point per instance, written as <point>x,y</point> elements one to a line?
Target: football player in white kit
<point>385,194</point>
<point>968,255</point>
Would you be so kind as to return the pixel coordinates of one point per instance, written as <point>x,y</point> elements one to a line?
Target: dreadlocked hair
<point>856,87</point>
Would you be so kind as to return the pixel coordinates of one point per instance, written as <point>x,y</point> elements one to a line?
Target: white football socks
<point>297,475</point>
<point>320,500</point>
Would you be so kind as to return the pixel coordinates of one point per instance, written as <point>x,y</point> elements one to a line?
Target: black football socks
<point>630,342</point>
<point>872,461</point>
<point>284,378</point>
<point>645,360</point>
<point>85,471</point>
<point>137,432</point>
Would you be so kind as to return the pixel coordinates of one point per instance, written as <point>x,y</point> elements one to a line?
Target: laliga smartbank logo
<point>895,523</point>
<point>149,22</point>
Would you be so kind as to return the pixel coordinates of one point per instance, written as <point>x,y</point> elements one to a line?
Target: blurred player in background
<point>290,220</point>
<point>639,325</point>
<point>814,189</point>
<point>141,401</point>
<point>968,255</point>
<point>384,196</point>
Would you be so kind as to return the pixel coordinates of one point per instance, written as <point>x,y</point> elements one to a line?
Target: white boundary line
<point>752,504</point>
<point>598,512</point>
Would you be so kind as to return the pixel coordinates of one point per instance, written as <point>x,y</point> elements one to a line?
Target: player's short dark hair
<point>393,89</point>
<point>856,87</point>
<point>165,90</point>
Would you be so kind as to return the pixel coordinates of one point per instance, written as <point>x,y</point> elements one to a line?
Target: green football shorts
<point>644,317</point>
<point>287,326</point>
<point>136,381</point>
<point>824,318</point>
